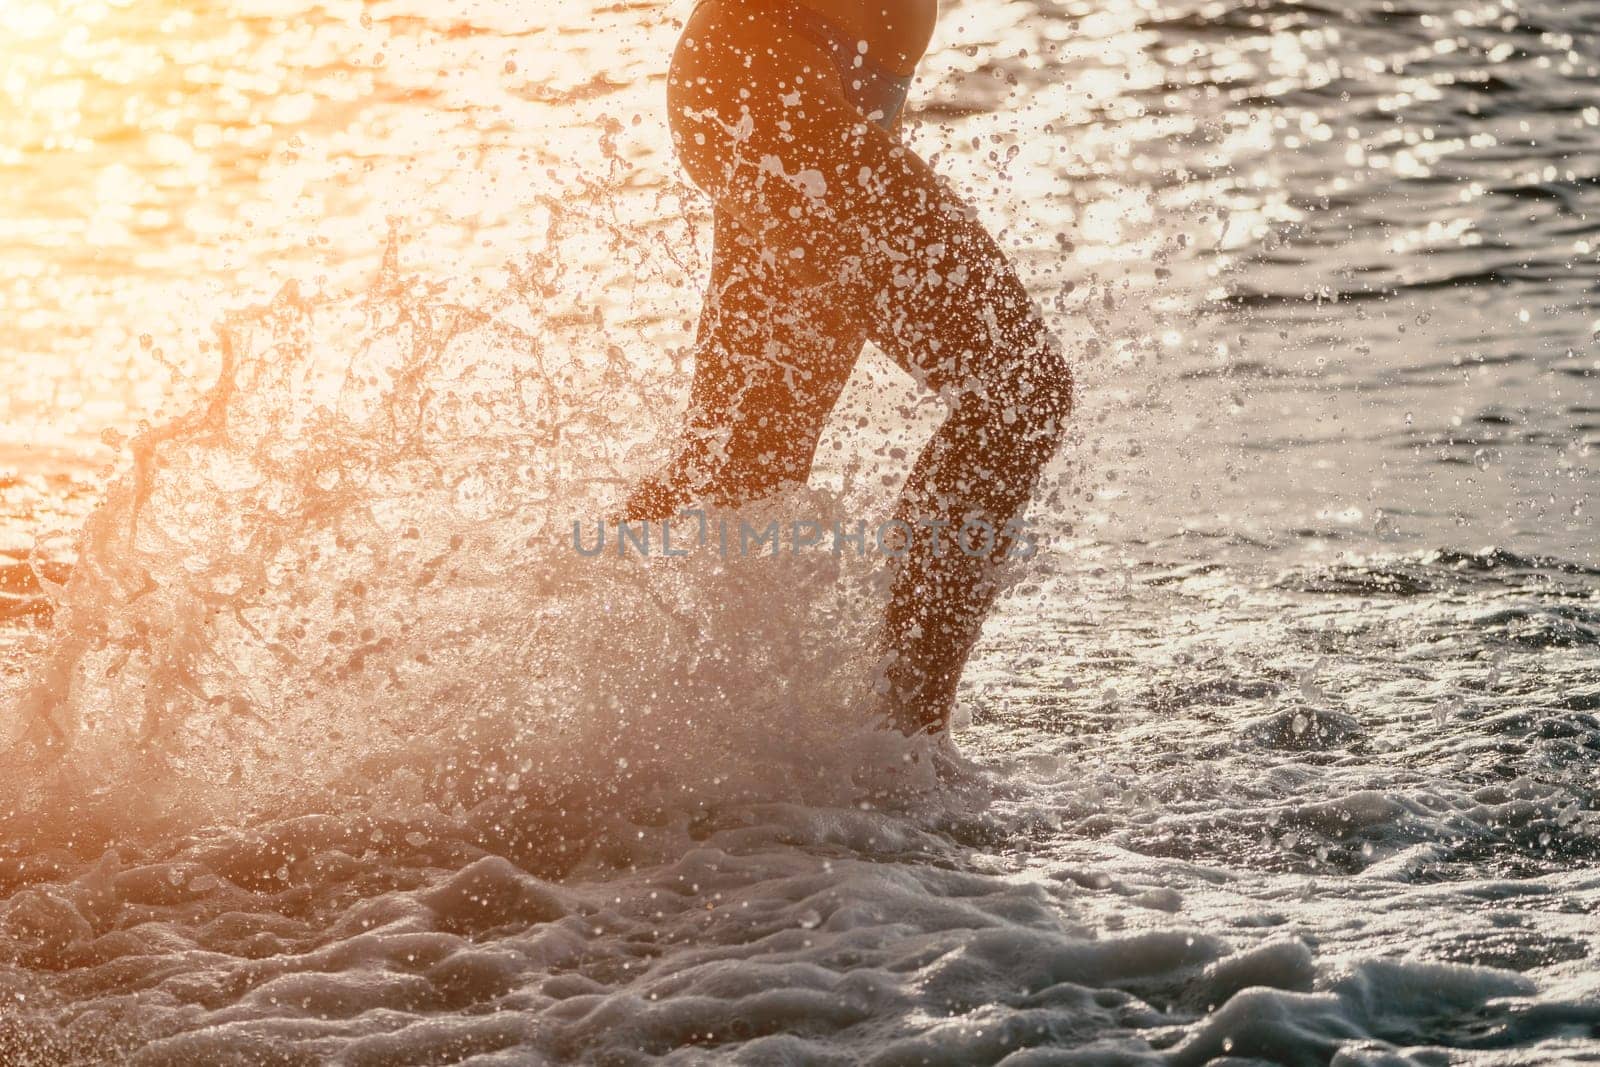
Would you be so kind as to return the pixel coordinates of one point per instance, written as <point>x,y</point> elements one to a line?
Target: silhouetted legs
<point>829,230</point>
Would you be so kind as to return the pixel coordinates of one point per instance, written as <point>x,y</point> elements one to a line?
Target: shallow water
<point>330,750</point>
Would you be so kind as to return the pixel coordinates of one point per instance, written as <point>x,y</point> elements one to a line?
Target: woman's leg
<point>772,354</point>
<point>761,123</point>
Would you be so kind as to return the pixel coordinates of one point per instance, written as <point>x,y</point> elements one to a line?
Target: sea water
<point>323,745</point>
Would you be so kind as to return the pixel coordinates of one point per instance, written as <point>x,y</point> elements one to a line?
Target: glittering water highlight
<point>324,749</point>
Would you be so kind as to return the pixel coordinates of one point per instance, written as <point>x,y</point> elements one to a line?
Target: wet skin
<point>829,233</point>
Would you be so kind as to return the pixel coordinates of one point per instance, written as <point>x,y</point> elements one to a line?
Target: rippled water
<point>329,750</point>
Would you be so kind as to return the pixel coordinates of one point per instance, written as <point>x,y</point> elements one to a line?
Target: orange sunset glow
<point>798,532</point>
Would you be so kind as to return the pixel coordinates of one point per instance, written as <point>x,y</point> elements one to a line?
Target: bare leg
<point>760,122</point>
<point>772,354</point>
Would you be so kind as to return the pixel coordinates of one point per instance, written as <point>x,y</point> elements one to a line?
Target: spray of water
<point>349,571</point>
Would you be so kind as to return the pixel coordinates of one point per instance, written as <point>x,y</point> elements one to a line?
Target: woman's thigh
<point>761,123</point>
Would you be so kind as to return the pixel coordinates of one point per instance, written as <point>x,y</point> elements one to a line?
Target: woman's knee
<point>1045,387</point>
<point>1023,406</point>
<point>1026,371</point>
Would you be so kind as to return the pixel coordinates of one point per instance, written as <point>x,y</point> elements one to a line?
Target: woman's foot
<point>908,701</point>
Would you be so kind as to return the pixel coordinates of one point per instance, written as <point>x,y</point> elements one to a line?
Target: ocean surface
<point>319,743</point>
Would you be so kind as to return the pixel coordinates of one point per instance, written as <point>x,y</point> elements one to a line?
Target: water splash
<point>347,570</point>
